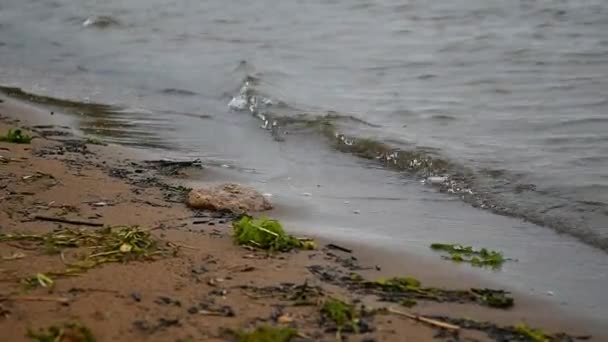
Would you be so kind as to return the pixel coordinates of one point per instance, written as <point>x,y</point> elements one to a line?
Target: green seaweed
<point>16,136</point>
<point>343,315</point>
<point>408,303</point>
<point>478,258</point>
<point>266,234</point>
<point>38,280</point>
<point>267,333</point>
<point>532,334</point>
<point>407,289</point>
<point>494,298</point>
<point>68,332</point>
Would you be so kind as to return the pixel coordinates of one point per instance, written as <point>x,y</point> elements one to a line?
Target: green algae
<point>266,333</point>
<point>478,258</point>
<point>405,290</point>
<point>68,332</point>
<point>267,234</point>
<point>535,335</point>
<point>38,280</point>
<point>343,315</point>
<point>16,136</point>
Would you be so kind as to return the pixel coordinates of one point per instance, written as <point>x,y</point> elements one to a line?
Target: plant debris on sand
<point>107,245</point>
<point>266,234</point>
<point>517,333</point>
<point>16,136</point>
<point>406,289</point>
<point>69,332</point>
<point>266,334</point>
<point>478,258</point>
<point>343,315</point>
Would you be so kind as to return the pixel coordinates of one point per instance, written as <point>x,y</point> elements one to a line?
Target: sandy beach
<point>206,287</point>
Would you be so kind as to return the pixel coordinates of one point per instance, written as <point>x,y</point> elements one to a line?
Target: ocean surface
<point>376,120</point>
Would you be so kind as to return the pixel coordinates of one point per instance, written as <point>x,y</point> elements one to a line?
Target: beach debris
<point>343,315</point>
<point>172,167</point>
<point>16,136</point>
<point>265,333</point>
<point>229,197</point>
<point>535,335</point>
<point>161,324</point>
<point>136,296</point>
<point>426,320</point>
<point>62,300</point>
<point>519,332</point>
<point>267,234</point>
<point>62,220</point>
<point>478,258</point>
<point>300,295</point>
<point>398,289</point>
<point>337,247</point>
<point>108,245</point>
<point>40,279</point>
<point>14,256</point>
<point>67,332</point>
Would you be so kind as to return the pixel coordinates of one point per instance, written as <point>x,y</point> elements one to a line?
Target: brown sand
<point>150,301</point>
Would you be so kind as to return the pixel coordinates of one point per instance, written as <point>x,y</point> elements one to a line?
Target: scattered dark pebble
<point>136,296</point>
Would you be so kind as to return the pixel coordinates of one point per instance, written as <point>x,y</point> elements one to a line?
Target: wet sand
<point>62,176</point>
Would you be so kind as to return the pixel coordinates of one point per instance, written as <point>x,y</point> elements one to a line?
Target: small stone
<point>356,211</point>
<point>136,296</point>
<point>192,310</point>
<point>232,197</point>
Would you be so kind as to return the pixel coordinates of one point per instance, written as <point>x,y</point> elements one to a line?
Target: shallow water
<point>512,94</point>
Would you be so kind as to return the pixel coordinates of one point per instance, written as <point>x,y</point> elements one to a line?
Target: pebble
<point>136,296</point>
<point>356,211</point>
<point>550,293</point>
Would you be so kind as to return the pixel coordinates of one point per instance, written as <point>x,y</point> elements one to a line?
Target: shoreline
<point>131,208</point>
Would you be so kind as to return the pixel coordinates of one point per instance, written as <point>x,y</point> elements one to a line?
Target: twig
<point>267,231</point>
<point>425,320</point>
<point>57,219</point>
<point>340,248</point>
<point>175,244</point>
<point>62,300</point>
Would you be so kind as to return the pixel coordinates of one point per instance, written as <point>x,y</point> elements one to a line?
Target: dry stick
<point>37,299</point>
<point>267,231</point>
<point>176,244</point>
<point>425,320</point>
<point>340,248</point>
<point>57,219</point>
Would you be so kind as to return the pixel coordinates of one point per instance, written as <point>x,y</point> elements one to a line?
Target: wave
<point>498,191</point>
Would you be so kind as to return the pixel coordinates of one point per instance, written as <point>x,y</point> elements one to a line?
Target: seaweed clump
<point>69,332</point>
<point>535,335</point>
<point>266,334</point>
<point>343,315</point>
<point>266,234</point>
<point>16,136</point>
<point>478,258</point>
<point>405,290</point>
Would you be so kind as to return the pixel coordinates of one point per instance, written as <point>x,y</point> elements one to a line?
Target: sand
<point>170,299</point>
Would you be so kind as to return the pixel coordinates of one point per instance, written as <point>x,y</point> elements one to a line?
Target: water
<point>512,95</point>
